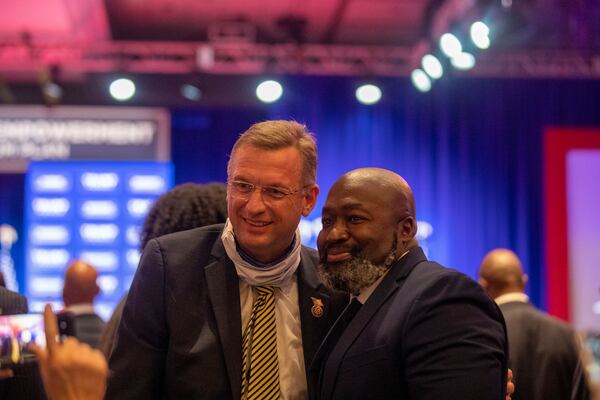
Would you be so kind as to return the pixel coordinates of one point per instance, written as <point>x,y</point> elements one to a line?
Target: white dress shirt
<point>511,297</point>
<point>81,308</point>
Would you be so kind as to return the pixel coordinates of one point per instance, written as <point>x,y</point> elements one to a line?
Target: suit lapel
<point>390,284</point>
<point>315,307</point>
<point>224,293</point>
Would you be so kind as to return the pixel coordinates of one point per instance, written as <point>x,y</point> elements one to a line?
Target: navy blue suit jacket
<point>426,333</point>
<point>544,355</point>
<point>12,303</point>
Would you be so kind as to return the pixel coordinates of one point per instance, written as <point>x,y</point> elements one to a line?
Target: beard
<point>355,274</point>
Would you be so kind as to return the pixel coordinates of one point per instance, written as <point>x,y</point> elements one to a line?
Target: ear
<point>310,199</point>
<point>524,280</point>
<point>483,282</point>
<point>406,230</point>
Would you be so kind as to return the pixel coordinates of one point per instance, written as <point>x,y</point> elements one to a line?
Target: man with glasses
<point>233,311</point>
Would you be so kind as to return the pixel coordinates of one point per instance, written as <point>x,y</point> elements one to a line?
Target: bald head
<point>80,284</point>
<point>384,193</point>
<point>386,184</point>
<point>501,272</point>
<point>368,223</point>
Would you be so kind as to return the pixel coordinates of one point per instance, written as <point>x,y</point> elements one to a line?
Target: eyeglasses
<point>244,190</point>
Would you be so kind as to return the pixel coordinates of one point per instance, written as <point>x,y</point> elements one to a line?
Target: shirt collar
<point>364,294</point>
<point>285,287</point>
<point>512,296</point>
<point>249,259</point>
<point>81,308</point>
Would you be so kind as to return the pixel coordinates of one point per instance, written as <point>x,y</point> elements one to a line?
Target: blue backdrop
<point>471,149</point>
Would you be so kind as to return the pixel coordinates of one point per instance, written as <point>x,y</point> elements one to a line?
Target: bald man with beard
<point>544,351</point>
<point>79,291</point>
<point>414,330</point>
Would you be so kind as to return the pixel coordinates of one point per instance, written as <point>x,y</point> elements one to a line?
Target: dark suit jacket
<point>88,328</point>
<point>544,355</point>
<point>12,303</point>
<point>26,383</point>
<point>108,338</point>
<point>426,332</point>
<point>180,335</point>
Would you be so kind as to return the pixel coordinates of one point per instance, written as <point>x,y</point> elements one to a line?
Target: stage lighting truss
<point>17,59</point>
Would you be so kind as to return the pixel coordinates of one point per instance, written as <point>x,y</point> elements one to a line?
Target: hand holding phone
<point>70,370</point>
<point>6,373</point>
<point>18,332</point>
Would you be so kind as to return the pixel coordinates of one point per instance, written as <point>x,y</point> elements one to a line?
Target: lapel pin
<point>317,308</point>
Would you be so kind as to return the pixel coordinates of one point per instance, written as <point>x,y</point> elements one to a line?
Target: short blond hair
<point>275,135</point>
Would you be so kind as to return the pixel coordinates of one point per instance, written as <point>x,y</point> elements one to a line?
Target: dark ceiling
<point>570,26</point>
<point>524,23</point>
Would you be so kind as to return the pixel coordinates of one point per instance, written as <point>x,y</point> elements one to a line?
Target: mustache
<point>324,251</point>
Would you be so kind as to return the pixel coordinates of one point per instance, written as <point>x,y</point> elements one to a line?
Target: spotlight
<point>368,94</point>
<point>463,61</point>
<point>432,66</point>
<point>269,91</point>
<point>480,35</point>
<point>191,92</point>
<point>420,80</point>
<point>122,89</point>
<point>450,45</point>
<point>52,91</point>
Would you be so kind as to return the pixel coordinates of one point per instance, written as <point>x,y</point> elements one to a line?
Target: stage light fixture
<point>420,80</point>
<point>368,94</point>
<point>269,91</point>
<point>432,66</point>
<point>52,92</point>
<point>480,35</point>
<point>191,92</point>
<point>122,89</point>
<point>450,45</point>
<point>464,61</point>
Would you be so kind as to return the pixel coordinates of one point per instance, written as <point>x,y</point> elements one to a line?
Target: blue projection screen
<point>92,211</point>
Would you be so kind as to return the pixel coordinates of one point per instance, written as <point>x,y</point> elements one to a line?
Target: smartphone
<point>18,331</point>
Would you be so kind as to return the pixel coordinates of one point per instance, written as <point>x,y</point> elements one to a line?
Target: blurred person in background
<point>184,207</point>
<point>544,351</point>
<point>80,289</point>
<point>591,360</point>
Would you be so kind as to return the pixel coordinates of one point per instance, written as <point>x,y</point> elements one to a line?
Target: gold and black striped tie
<point>260,368</point>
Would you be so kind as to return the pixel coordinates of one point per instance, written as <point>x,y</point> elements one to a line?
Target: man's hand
<point>70,370</point>
<point>510,386</point>
<point>6,373</point>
